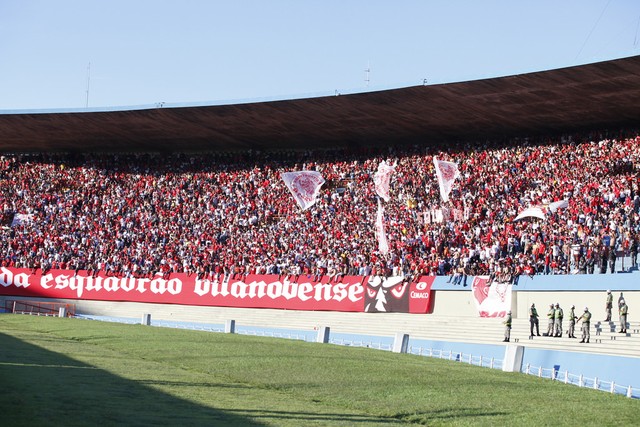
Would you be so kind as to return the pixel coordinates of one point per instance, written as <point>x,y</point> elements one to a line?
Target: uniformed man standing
<point>623,317</point>
<point>586,325</point>
<point>533,319</point>
<point>551,316</point>
<point>558,316</point>
<point>572,322</point>
<point>507,327</point>
<point>608,306</point>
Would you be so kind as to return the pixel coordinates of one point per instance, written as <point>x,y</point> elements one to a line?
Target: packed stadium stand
<point>226,214</point>
<point>198,192</point>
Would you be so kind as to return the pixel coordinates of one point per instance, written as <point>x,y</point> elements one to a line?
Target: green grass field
<point>70,372</point>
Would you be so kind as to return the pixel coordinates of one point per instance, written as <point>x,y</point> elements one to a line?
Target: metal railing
<point>581,381</point>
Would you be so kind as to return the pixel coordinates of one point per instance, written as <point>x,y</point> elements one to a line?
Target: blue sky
<point>197,51</point>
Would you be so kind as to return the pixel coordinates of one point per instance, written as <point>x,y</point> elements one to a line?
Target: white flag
<point>304,186</point>
<point>533,211</point>
<point>382,178</point>
<point>383,244</point>
<point>553,207</point>
<point>446,172</point>
<point>21,219</point>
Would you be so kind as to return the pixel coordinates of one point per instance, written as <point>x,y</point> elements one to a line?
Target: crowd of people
<point>132,214</point>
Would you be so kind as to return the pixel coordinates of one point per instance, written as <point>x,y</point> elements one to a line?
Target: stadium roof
<point>602,95</point>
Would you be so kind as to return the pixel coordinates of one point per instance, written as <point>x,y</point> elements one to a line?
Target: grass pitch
<point>70,372</point>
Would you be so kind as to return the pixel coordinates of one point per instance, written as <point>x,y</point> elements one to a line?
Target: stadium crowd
<point>230,213</point>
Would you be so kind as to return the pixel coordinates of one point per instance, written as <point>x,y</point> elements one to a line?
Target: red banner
<point>349,293</point>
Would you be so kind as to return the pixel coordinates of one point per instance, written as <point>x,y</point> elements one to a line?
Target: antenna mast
<point>366,74</point>
<point>88,83</point>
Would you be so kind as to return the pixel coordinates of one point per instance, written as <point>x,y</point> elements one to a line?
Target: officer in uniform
<point>533,319</point>
<point>608,306</point>
<point>586,325</point>
<point>572,322</point>
<point>551,316</point>
<point>623,317</point>
<point>507,327</point>
<point>558,316</point>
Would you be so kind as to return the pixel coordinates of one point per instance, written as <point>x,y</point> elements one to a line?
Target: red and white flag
<point>446,172</point>
<point>304,186</point>
<point>491,300</point>
<point>382,178</point>
<point>383,244</point>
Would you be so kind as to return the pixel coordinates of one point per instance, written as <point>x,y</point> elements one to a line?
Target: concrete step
<point>429,327</point>
<point>433,327</point>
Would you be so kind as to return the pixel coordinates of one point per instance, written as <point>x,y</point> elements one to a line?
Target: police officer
<point>507,327</point>
<point>572,322</point>
<point>558,316</point>
<point>533,319</point>
<point>551,316</point>
<point>586,325</point>
<point>623,317</point>
<point>608,305</point>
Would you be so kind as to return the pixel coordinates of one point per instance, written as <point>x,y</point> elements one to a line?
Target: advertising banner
<point>349,293</point>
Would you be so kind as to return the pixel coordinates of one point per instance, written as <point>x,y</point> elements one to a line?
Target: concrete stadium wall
<point>581,290</point>
<point>623,371</point>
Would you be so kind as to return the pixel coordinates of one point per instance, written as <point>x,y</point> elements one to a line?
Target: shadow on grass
<point>449,415</point>
<point>41,387</point>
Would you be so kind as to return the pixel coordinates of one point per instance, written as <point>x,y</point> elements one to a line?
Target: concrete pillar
<point>146,319</point>
<point>513,356</point>
<point>230,327</point>
<point>401,343</point>
<point>323,334</point>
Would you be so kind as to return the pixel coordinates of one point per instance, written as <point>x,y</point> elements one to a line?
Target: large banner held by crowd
<point>491,299</point>
<point>349,293</point>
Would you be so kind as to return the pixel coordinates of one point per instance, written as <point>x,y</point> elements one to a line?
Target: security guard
<point>507,327</point>
<point>623,317</point>
<point>586,325</point>
<point>572,322</point>
<point>533,319</point>
<point>551,316</point>
<point>608,305</point>
<point>558,316</point>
